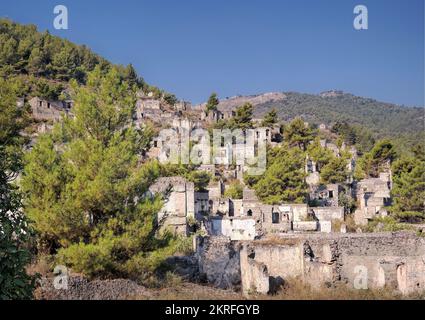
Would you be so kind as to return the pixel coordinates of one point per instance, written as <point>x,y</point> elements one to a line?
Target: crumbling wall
<point>235,229</point>
<point>219,261</point>
<point>361,261</point>
<point>254,275</point>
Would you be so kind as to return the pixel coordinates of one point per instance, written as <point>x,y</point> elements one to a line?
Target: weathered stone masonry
<point>394,260</point>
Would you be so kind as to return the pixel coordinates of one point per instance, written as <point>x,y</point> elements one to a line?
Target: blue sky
<point>195,47</point>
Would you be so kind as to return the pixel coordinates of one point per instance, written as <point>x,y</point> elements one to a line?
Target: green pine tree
<point>284,179</point>
<point>14,231</point>
<point>408,189</point>
<point>297,133</point>
<point>212,102</point>
<point>335,171</point>
<point>243,117</point>
<point>270,118</point>
<point>85,186</point>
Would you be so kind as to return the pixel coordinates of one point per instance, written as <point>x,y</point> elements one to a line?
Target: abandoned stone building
<point>211,116</point>
<point>249,218</point>
<point>158,110</point>
<point>49,110</point>
<point>178,195</point>
<point>183,106</point>
<point>373,195</point>
<point>325,195</point>
<point>391,260</point>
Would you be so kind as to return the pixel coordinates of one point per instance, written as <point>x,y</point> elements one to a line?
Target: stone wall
<point>235,228</point>
<point>49,110</point>
<point>179,202</point>
<point>393,260</point>
<point>328,213</point>
<point>219,261</point>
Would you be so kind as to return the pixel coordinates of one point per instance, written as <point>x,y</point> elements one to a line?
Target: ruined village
<point>246,245</point>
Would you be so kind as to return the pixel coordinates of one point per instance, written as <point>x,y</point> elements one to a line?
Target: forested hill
<point>42,64</point>
<point>384,119</point>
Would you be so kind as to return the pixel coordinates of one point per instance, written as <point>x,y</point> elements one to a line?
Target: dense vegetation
<point>24,50</point>
<point>409,188</point>
<point>43,64</point>
<point>84,184</point>
<point>14,229</point>
<point>381,119</point>
<point>284,179</point>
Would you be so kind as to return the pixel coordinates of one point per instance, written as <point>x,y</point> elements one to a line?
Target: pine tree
<point>270,118</point>
<point>234,190</point>
<point>201,179</point>
<point>130,75</point>
<point>14,231</point>
<point>297,133</point>
<point>335,171</point>
<point>36,62</point>
<point>284,179</point>
<point>377,160</point>
<point>243,117</point>
<point>212,102</point>
<point>85,186</point>
<point>319,154</point>
<point>408,189</point>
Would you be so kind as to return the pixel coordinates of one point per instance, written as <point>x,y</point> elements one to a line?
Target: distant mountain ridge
<point>332,106</point>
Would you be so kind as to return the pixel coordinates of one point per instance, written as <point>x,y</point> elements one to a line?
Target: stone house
<point>212,116</point>
<point>267,219</point>
<point>373,195</point>
<point>326,195</point>
<point>50,110</point>
<point>241,228</point>
<point>183,106</point>
<point>179,203</point>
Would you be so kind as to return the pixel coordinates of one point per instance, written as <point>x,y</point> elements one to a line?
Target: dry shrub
<point>42,264</point>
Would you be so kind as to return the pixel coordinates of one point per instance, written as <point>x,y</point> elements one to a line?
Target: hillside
<point>383,119</point>
<point>42,64</point>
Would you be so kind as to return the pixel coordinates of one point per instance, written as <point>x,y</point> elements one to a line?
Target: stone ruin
<point>360,261</point>
<point>373,195</point>
<point>50,110</point>
<point>179,203</point>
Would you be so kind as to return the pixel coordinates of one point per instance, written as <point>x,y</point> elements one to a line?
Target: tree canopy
<point>270,118</point>
<point>14,230</point>
<point>284,179</point>
<point>84,185</point>
<point>298,133</point>
<point>25,51</point>
<point>408,189</point>
<point>212,102</point>
<point>377,160</point>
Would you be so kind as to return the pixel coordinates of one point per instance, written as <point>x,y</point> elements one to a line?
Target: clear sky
<point>194,47</point>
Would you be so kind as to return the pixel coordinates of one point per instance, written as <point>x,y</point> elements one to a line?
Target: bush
<point>234,190</point>
<point>386,224</point>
